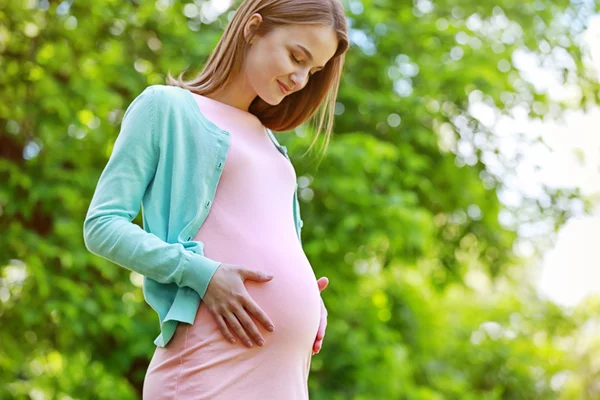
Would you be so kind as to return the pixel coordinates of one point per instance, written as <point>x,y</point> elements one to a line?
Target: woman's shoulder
<point>173,112</point>
<point>165,95</point>
<point>168,103</point>
<point>159,98</point>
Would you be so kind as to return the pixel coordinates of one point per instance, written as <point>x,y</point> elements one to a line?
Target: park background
<point>455,212</point>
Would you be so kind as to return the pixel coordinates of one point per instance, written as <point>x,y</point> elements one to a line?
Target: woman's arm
<point>108,231</point>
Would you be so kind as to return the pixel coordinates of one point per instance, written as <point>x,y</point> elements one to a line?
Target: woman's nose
<point>295,83</point>
<point>299,81</point>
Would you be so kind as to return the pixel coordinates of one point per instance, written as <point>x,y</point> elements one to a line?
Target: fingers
<point>255,275</point>
<point>250,327</point>
<point>317,346</point>
<point>237,315</point>
<point>258,313</point>
<point>322,327</point>
<point>232,307</point>
<point>234,323</point>
<point>224,328</point>
<point>320,335</point>
<point>323,308</point>
<point>323,322</point>
<point>322,283</point>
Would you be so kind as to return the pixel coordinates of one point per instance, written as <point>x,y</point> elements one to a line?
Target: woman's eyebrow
<point>308,53</point>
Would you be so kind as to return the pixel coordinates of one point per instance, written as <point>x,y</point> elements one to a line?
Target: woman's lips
<point>283,89</point>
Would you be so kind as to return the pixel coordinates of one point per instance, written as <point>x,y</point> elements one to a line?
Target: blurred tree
<point>426,298</point>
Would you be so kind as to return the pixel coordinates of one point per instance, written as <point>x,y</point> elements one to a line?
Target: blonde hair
<point>226,60</point>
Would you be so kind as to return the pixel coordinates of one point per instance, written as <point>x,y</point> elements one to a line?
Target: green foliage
<point>426,298</point>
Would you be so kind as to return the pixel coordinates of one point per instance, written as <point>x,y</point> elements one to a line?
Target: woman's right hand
<point>228,301</point>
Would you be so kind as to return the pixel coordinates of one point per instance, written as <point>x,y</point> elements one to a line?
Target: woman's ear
<point>250,28</point>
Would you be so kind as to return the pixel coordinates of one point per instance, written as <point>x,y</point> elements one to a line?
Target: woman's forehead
<point>319,39</point>
<point>305,32</point>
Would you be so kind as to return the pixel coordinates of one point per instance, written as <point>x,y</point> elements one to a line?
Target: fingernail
<point>261,342</point>
<point>271,328</point>
<point>249,343</point>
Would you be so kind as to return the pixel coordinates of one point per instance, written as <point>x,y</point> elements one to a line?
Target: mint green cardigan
<point>168,158</point>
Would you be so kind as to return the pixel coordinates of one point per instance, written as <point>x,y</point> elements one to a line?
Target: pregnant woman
<point>238,302</point>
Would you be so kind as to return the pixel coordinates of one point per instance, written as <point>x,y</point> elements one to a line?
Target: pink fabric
<point>251,224</point>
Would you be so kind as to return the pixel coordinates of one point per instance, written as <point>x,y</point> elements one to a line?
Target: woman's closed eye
<point>300,62</point>
<point>293,57</point>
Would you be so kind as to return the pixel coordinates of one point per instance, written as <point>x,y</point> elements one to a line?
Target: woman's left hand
<point>322,282</point>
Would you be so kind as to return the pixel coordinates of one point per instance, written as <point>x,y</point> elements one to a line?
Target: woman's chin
<point>271,98</point>
<point>272,101</point>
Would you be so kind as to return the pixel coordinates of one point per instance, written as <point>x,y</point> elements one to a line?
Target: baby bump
<point>291,300</point>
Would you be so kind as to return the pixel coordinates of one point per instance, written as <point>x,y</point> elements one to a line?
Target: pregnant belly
<point>200,363</point>
<point>291,300</point>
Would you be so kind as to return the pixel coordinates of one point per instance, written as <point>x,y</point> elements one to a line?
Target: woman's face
<point>277,65</point>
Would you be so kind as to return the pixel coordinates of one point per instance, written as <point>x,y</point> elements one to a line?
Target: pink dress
<point>251,224</point>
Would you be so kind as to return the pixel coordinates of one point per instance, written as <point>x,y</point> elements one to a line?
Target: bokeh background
<point>466,140</point>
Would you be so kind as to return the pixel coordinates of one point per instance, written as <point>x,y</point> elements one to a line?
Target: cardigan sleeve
<point>108,230</point>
